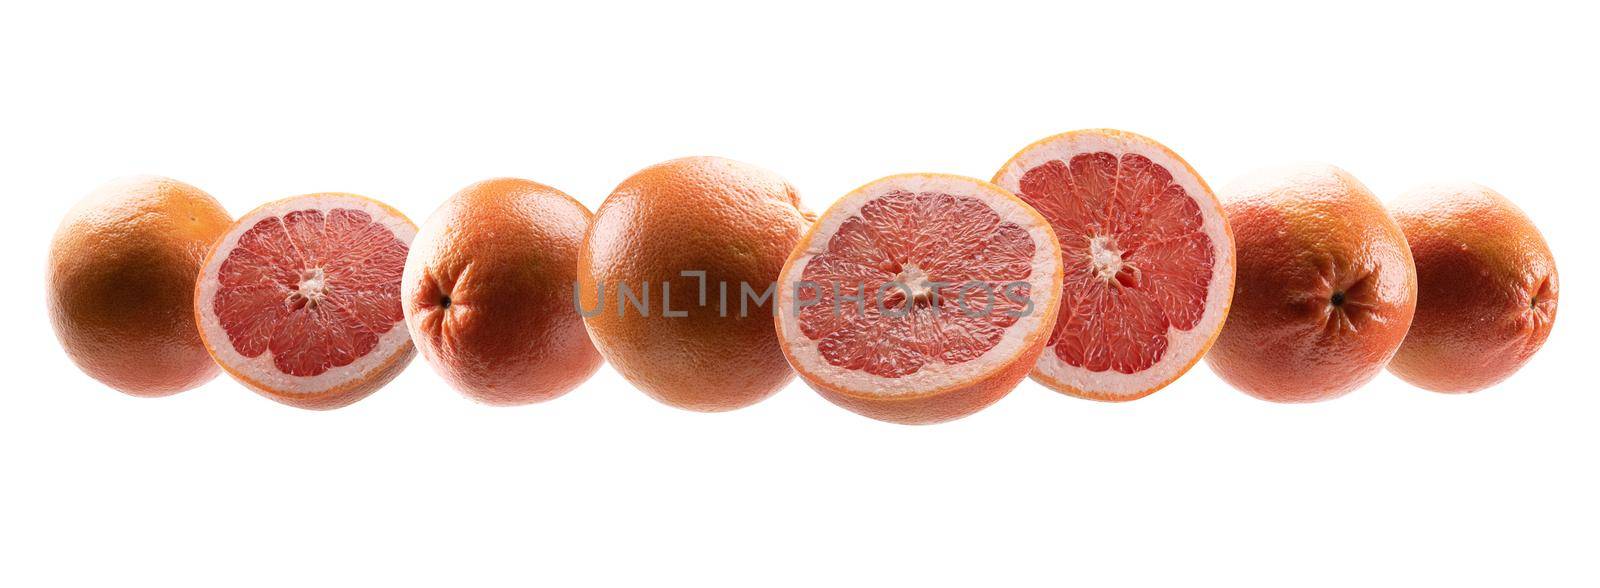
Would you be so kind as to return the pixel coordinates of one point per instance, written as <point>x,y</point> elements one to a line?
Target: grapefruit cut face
<point>1148,256</point>
<point>920,298</point>
<point>300,300</point>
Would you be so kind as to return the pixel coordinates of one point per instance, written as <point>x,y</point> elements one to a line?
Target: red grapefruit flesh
<point>958,283</point>
<point>1148,257</point>
<point>300,300</point>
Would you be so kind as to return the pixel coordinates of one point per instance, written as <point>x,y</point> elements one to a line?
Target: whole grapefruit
<point>487,292</point>
<point>672,275</point>
<point>1324,290</point>
<point>1486,288</point>
<point>121,283</point>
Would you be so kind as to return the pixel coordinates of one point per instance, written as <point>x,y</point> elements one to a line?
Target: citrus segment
<point>1148,258</point>
<point>916,298</point>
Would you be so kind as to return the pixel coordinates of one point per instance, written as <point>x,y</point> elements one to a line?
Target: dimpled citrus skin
<point>487,292</point>
<point>121,284</point>
<point>1486,288</point>
<point>1325,287</point>
<point>733,221</point>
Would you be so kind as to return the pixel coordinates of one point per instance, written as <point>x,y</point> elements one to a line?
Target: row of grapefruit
<point>1098,261</point>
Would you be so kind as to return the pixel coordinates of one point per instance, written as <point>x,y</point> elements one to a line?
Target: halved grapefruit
<point>920,298</point>
<point>300,300</point>
<point>1149,260</point>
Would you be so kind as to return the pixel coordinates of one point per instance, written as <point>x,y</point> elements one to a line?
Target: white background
<point>417,486</point>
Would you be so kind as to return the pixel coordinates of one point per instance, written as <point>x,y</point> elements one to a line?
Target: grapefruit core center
<point>912,279</point>
<point>310,290</point>
<point>1108,263</point>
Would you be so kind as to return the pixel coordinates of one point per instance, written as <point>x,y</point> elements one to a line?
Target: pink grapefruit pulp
<point>920,298</point>
<point>300,300</point>
<point>1148,258</point>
